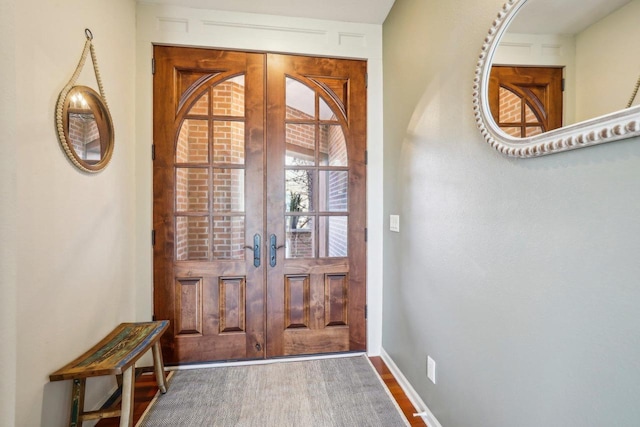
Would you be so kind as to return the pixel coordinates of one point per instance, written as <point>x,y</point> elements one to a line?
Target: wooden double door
<point>259,204</point>
<point>526,101</point>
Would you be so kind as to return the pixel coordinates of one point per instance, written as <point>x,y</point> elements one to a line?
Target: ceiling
<point>362,11</point>
<point>561,17</point>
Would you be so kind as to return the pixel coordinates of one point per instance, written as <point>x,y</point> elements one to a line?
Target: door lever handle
<point>273,248</point>
<point>256,250</point>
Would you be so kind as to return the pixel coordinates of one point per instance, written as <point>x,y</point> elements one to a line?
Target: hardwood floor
<point>396,391</point>
<point>146,389</point>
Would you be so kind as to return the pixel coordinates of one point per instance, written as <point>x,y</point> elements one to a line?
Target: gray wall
<point>520,278</point>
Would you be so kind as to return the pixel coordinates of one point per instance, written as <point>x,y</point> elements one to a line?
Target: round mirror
<point>85,129</point>
<point>555,76</point>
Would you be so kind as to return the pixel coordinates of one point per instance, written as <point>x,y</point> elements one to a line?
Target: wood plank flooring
<point>146,389</point>
<point>396,391</point>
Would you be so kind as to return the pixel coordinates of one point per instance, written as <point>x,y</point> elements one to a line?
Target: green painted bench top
<point>115,353</point>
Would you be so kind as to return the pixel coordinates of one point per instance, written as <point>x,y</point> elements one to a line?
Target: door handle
<point>256,250</point>
<point>273,248</point>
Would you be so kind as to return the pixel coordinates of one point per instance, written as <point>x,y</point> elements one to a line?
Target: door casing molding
<point>173,25</point>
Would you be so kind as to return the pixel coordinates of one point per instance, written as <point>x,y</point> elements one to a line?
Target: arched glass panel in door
<point>316,176</point>
<point>210,171</point>
<point>516,116</point>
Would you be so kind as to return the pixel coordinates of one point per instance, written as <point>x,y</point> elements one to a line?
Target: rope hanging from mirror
<point>62,101</point>
<point>88,47</point>
<point>634,93</point>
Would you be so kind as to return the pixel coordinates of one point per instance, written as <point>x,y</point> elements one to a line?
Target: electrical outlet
<point>431,369</point>
<point>394,223</point>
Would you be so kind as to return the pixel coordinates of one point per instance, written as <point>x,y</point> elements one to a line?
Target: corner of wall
<point>423,410</point>
<point>8,280</point>
<point>72,251</point>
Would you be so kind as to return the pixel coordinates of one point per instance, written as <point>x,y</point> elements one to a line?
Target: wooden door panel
<point>208,202</point>
<point>320,266</point>
<point>220,183</point>
<point>188,317</point>
<point>232,304</point>
<point>525,101</point>
<point>297,303</point>
<point>316,297</point>
<point>300,341</point>
<point>336,300</point>
<point>198,269</point>
<point>224,316</point>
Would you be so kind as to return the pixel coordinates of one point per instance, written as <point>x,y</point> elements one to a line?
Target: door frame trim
<point>175,25</point>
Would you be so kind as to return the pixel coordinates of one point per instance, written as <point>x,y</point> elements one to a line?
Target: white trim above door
<point>174,25</point>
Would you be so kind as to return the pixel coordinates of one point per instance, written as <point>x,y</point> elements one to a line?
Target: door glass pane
<point>192,238</point>
<point>529,115</point>
<point>228,190</point>
<point>326,113</point>
<point>299,190</point>
<point>201,106</point>
<point>300,241</point>
<point>193,142</point>
<point>510,107</point>
<point>301,144</point>
<point>533,130</point>
<point>513,131</point>
<point>301,100</point>
<point>333,187</point>
<point>228,142</point>
<point>228,238</point>
<point>192,189</point>
<point>228,97</point>
<point>334,236</point>
<point>333,146</point>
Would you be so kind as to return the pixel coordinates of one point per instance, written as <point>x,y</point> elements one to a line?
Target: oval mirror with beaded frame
<point>610,127</point>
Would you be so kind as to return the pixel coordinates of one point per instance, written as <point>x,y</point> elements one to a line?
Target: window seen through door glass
<point>316,175</point>
<point>211,142</point>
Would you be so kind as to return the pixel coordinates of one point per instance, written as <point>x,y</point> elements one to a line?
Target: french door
<point>526,101</point>
<point>259,204</point>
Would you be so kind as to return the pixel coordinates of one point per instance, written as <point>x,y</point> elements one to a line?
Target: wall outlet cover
<point>394,223</point>
<point>431,369</point>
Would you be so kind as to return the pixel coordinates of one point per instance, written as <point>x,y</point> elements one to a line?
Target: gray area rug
<point>337,392</point>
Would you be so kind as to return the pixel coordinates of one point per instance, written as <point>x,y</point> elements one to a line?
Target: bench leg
<point>77,402</point>
<point>128,385</point>
<point>158,366</point>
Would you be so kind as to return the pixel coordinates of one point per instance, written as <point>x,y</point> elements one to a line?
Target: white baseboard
<point>413,396</point>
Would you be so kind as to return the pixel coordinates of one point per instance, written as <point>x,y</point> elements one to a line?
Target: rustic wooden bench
<point>115,355</point>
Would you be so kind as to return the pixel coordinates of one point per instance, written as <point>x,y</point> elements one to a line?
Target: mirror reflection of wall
<point>593,42</point>
<point>86,128</point>
<point>84,135</point>
<point>607,62</point>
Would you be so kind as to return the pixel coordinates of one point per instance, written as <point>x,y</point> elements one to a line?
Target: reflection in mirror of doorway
<point>589,41</point>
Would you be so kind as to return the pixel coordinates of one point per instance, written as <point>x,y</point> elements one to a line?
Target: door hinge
<point>366,157</point>
<point>563,82</point>
<point>153,237</point>
<point>366,311</point>
<point>153,317</point>
<point>153,65</point>
<point>366,234</point>
<point>153,151</point>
